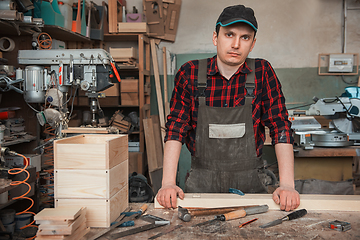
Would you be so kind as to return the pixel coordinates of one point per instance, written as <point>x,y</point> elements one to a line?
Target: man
<point>219,108</point>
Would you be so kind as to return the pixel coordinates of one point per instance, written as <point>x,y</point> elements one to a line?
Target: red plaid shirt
<point>268,104</point>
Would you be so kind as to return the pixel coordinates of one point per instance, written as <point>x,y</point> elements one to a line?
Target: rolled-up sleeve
<point>275,115</point>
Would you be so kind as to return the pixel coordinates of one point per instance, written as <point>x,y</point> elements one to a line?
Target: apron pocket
<point>226,130</point>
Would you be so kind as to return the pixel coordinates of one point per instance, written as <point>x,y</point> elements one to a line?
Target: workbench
<point>314,225</point>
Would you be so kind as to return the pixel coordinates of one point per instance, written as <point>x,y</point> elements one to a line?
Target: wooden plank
<point>78,234</point>
<point>166,98</point>
<point>112,12</point>
<point>307,201</point>
<point>52,229</point>
<point>158,141</point>
<point>150,144</point>
<point>100,212</point>
<point>158,87</point>
<point>90,183</point>
<point>59,214</point>
<point>327,152</point>
<point>133,27</point>
<point>85,130</point>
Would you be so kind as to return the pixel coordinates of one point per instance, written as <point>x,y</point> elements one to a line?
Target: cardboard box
<point>90,151</point>
<point>131,99</point>
<point>34,160</point>
<point>129,85</point>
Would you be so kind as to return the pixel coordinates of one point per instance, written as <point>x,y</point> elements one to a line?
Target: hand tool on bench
<point>294,215</point>
<point>185,214</point>
<point>155,222</point>
<point>123,218</point>
<point>236,214</point>
<point>166,232</point>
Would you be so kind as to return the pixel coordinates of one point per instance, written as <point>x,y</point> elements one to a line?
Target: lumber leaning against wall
<point>307,201</point>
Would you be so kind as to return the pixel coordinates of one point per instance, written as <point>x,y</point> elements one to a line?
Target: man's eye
<point>246,37</point>
<point>229,34</point>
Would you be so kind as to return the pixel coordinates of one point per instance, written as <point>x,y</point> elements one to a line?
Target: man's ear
<point>214,38</point>
<point>253,44</point>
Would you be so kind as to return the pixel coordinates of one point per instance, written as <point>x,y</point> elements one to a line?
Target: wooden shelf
<point>9,29</point>
<point>26,138</point>
<point>121,36</point>
<point>64,34</point>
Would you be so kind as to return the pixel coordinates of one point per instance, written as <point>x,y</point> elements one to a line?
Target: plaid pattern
<point>268,104</point>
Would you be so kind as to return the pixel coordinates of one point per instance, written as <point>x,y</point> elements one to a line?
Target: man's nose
<point>236,43</point>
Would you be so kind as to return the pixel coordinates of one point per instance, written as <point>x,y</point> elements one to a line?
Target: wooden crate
<point>90,151</point>
<point>112,91</point>
<point>131,27</point>
<point>90,183</point>
<point>120,54</point>
<point>129,85</point>
<point>130,99</point>
<point>100,212</point>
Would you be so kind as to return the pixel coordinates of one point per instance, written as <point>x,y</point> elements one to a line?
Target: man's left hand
<point>287,197</point>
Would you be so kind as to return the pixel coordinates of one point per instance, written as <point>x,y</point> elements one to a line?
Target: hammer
<point>185,214</point>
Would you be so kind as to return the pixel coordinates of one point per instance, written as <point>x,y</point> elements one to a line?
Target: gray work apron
<point>225,154</point>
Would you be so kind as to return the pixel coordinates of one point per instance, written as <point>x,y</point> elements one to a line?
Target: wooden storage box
<point>131,99</point>
<point>112,91</point>
<point>131,27</point>
<point>120,54</point>
<point>90,183</point>
<point>90,151</point>
<point>99,212</point>
<point>129,85</point>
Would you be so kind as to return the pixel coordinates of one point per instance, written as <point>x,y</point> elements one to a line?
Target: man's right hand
<point>167,195</point>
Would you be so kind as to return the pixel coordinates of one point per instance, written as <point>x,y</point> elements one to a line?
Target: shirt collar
<point>214,68</point>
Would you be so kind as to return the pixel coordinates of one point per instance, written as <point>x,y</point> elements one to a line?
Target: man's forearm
<point>285,157</point>
<point>172,151</point>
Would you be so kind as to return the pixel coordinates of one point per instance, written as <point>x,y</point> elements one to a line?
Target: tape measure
<point>339,225</point>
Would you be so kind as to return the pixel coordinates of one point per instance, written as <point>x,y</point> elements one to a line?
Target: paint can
<point>7,216</point>
<point>22,220</point>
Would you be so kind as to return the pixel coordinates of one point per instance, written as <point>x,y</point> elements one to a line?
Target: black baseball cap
<point>235,14</point>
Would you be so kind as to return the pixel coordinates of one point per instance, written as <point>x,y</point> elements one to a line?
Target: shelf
<point>121,36</point>
<point>8,28</point>
<point>26,138</point>
<point>64,34</point>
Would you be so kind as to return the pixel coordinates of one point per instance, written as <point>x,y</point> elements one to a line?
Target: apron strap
<point>202,80</point>
<point>250,79</point>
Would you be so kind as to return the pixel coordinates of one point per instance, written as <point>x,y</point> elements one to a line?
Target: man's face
<point>234,43</point>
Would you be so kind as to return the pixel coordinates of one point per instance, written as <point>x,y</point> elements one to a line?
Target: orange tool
<point>253,220</point>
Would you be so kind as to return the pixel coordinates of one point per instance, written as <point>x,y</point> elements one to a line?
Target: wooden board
<point>133,27</point>
<point>158,88</point>
<point>78,234</point>
<point>63,214</point>
<point>307,201</point>
<point>89,183</point>
<point>100,212</point>
<point>53,229</point>
<point>85,129</point>
<point>129,85</point>
<point>107,151</point>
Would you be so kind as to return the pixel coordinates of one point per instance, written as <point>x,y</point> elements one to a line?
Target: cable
<point>15,171</point>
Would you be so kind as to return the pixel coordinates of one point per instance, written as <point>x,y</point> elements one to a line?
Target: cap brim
<point>237,21</point>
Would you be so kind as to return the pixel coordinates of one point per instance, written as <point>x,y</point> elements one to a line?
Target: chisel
<point>294,215</point>
<point>237,214</point>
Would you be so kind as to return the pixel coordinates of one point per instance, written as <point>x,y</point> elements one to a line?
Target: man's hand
<point>167,195</point>
<point>287,197</point>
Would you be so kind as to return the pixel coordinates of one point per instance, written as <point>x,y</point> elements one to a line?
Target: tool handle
<point>143,208</point>
<point>297,214</point>
<point>233,215</point>
<point>115,71</point>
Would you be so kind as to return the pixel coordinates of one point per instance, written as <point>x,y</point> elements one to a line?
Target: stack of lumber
<point>91,170</point>
<point>61,223</point>
<point>118,121</point>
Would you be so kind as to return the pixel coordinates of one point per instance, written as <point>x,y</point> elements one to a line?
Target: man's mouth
<point>234,54</point>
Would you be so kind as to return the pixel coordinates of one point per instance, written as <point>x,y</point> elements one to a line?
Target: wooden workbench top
<point>314,225</point>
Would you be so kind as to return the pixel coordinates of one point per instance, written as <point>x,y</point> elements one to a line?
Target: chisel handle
<point>143,208</point>
<point>233,215</point>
